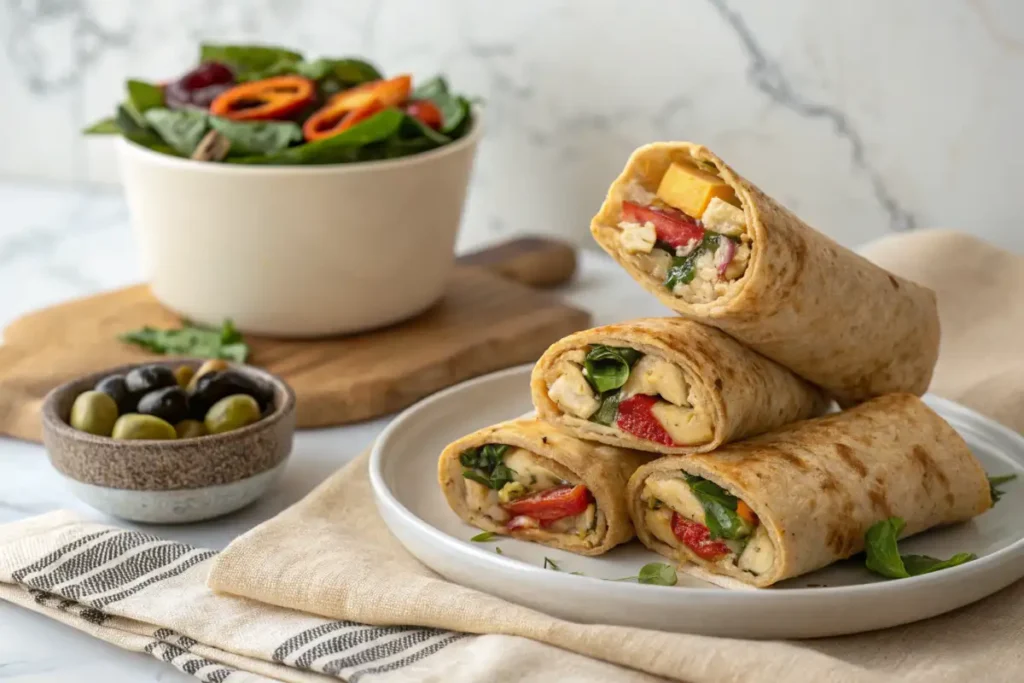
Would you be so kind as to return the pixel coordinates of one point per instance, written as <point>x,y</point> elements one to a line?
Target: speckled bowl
<point>168,482</point>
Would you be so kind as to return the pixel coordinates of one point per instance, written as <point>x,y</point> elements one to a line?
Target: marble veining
<point>863,118</point>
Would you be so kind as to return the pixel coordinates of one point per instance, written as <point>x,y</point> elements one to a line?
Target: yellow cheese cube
<point>689,189</point>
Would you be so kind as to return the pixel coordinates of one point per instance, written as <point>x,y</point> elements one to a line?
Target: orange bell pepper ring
<point>351,106</point>
<point>271,98</point>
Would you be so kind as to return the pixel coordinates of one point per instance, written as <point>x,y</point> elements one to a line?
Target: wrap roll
<point>808,493</point>
<point>716,249</point>
<point>539,498</point>
<point>689,388</point>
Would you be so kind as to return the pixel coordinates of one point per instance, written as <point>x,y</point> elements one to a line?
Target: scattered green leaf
<point>995,482</point>
<point>191,340</point>
<point>107,126</point>
<point>655,573</point>
<point>883,556</point>
<point>182,129</point>
<point>257,137</point>
<point>719,509</point>
<point>144,96</point>
<point>484,536</point>
<point>498,550</point>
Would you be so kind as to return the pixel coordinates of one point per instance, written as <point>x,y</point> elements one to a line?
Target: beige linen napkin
<point>332,555</point>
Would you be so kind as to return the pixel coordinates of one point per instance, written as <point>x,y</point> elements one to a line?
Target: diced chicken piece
<point>638,194</point>
<point>657,377</point>
<point>586,521</point>
<point>636,238</point>
<point>685,425</point>
<point>759,555</point>
<point>691,189</point>
<point>725,218</point>
<point>484,500</point>
<point>676,494</point>
<point>572,393</point>
<point>659,522</point>
<point>657,263</point>
<point>738,265</point>
<point>577,356</point>
<point>529,472</point>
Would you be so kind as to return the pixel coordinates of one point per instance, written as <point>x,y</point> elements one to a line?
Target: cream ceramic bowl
<point>298,251</point>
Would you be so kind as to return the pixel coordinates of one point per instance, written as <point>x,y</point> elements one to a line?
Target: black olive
<point>144,379</point>
<point>213,386</point>
<point>169,403</point>
<point>114,387</point>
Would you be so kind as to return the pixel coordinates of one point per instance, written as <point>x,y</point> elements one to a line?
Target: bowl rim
<point>469,140</point>
<point>52,422</point>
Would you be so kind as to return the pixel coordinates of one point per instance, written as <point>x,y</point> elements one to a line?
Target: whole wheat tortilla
<point>744,392</point>
<point>819,309</point>
<point>602,469</point>
<point>818,485</point>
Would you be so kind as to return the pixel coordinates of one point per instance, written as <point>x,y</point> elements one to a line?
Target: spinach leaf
<point>257,137</point>
<point>719,509</point>
<point>454,110</point>
<point>682,270</point>
<point>347,72</point>
<point>128,122</point>
<point>605,415</point>
<point>144,96</point>
<point>182,129</point>
<point>192,340</point>
<point>995,482</point>
<point>339,148</point>
<point>883,556</point>
<point>607,367</point>
<point>484,536</point>
<point>107,126</point>
<point>655,573</point>
<point>412,128</point>
<point>486,465</point>
<point>249,61</point>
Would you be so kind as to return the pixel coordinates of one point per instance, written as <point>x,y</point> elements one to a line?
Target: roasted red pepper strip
<point>697,538</point>
<point>635,417</point>
<point>552,504</point>
<point>271,98</point>
<point>670,226</point>
<point>426,111</point>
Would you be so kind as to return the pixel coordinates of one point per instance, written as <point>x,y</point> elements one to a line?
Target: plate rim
<point>385,497</point>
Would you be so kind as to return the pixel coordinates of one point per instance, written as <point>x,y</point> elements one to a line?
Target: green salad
<point>257,104</point>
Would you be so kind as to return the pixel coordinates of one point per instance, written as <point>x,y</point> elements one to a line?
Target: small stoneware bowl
<point>173,481</point>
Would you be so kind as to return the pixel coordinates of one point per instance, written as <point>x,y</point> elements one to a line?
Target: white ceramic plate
<point>843,598</point>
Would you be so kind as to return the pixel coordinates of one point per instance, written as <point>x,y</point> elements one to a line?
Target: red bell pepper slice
<point>697,538</point>
<point>271,98</point>
<point>671,226</point>
<point>635,417</point>
<point>426,111</point>
<point>552,504</point>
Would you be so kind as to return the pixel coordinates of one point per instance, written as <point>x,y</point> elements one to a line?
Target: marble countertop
<point>57,244</point>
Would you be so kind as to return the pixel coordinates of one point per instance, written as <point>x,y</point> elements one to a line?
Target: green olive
<point>232,412</point>
<point>189,429</point>
<point>94,412</point>
<point>136,426</point>
<point>214,365</point>
<point>184,375</point>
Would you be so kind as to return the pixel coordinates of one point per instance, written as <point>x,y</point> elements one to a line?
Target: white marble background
<point>862,116</point>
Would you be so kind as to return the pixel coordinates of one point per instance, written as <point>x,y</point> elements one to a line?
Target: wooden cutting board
<point>493,315</point>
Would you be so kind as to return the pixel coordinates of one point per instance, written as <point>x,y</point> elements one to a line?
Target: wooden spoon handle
<point>533,261</point>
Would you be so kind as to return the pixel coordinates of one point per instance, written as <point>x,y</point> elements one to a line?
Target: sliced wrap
<point>688,389</point>
<point>803,497</point>
<point>714,248</point>
<point>537,497</point>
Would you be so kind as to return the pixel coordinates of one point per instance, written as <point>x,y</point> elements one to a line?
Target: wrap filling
<point>691,233</point>
<point>513,488</point>
<point>641,395</point>
<point>689,511</point>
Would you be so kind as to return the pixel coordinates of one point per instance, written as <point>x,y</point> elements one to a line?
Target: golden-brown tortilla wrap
<point>602,469</point>
<point>819,309</point>
<point>733,391</point>
<point>817,486</point>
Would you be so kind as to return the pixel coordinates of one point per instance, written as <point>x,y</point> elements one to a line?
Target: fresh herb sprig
<point>484,536</point>
<point>192,340</point>
<point>995,482</point>
<point>883,555</point>
<point>655,573</point>
<point>486,465</point>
